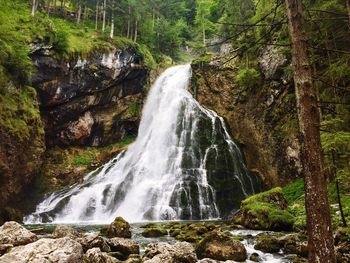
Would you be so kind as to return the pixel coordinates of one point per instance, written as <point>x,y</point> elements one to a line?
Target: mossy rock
<point>118,228</point>
<point>268,244</point>
<point>154,232</point>
<point>265,211</point>
<point>220,246</point>
<point>191,237</point>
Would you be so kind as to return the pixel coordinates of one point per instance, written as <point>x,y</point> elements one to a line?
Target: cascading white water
<point>165,173</point>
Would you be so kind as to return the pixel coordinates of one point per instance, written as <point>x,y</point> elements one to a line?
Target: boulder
<point>265,211</point>
<point>94,241</point>
<point>95,255</point>
<point>125,246</point>
<point>180,252</point>
<point>46,250</point>
<point>15,234</point>
<point>220,246</point>
<point>268,243</point>
<point>154,232</point>
<point>118,228</point>
<point>65,231</point>
<point>4,248</point>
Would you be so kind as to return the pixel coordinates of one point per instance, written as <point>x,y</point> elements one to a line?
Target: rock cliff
<point>262,118</point>
<point>90,101</point>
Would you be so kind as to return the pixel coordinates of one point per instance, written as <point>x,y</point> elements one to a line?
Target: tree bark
<point>203,29</point>
<point>79,14</point>
<point>319,227</point>
<point>48,6</point>
<point>135,35</point>
<point>96,17</point>
<point>112,27</point>
<point>54,5</point>
<point>104,16</point>
<point>33,7</point>
<point>348,7</point>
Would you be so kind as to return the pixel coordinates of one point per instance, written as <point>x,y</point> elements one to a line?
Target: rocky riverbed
<point>168,242</point>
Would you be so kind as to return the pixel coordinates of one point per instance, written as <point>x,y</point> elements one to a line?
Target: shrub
<point>248,77</point>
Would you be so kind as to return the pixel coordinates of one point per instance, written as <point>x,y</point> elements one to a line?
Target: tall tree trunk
<point>319,227</point>
<point>54,5</point>
<point>33,7</point>
<point>128,32</point>
<point>79,14</point>
<point>135,34</point>
<point>48,6</point>
<point>104,16</point>
<point>348,7</point>
<point>111,35</point>
<point>85,12</point>
<point>203,31</point>
<point>96,17</point>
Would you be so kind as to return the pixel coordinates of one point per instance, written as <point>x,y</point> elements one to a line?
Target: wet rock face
<point>89,101</point>
<point>262,118</point>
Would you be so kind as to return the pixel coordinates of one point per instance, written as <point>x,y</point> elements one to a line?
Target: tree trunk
<point>348,7</point>
<point>128,32</point>
<point>33,7</point>
<point>104,16</point>
<point>48,6</point>
<point>319,227</point>
<point>96,17</point>
<point>85,12</point>
<point>79,14</point>
<point>112,27</point>
<point>54,5</point>
<point>203,29</point>
<point>135,35</point>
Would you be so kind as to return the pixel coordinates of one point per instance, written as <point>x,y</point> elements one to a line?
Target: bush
<point>248,77</point>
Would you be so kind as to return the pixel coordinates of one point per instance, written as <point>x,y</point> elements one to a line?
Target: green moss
<point>154,232</point>
<point>82,160</point>
<point>19,113</point>
<point>295,191</point>
<point>266,210</point>
<point>248,77</point>
<point>134,109</point>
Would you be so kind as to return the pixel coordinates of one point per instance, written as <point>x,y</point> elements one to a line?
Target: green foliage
<point>134,109</point>
<point>294,191</point>
<point>82,160</point>
<point>19,113</point>
<point>248,77</point>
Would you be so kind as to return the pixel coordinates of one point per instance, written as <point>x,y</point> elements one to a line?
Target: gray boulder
<point>13,233</point>
<point>46,250</point>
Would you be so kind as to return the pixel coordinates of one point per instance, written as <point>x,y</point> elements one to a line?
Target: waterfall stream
<point>182,166</point>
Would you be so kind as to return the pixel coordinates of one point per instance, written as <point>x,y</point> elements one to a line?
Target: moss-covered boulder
<point>157,231</point>
<point>265,211</point>
<point>220,246</point>
<point>268,243</point>
<point>118,228</point>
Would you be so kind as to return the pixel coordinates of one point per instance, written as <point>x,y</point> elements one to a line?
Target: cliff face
<point>261,118</point>
<point>21,141</point>
<point>90,101</point>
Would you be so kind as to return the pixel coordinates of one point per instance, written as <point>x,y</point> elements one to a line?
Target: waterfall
<point>183,165</point>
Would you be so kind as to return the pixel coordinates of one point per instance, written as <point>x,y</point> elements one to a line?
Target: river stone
<point>95,255</point>
<point>209,260</point>
<point>4,248</point>
<point>125,246</point>
<point>46,250</point>
<point>93,241</point>
<point>118,228</point>
<point>15,234</point>
<point>180,252</point>
<point>268,243</point>
<point>65,231</point>
<point>220,246</point>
